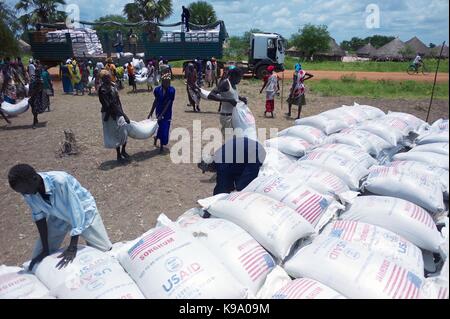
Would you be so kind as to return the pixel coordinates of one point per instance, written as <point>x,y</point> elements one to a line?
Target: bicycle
<point>412,69</point>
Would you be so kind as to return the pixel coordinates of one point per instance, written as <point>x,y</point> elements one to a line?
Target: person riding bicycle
<point>417,62</point>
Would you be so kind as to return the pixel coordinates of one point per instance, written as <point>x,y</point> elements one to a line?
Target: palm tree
<point>148,10</point>
<point>202,13</point>
<point>8,17</point>
<point>40,11</point>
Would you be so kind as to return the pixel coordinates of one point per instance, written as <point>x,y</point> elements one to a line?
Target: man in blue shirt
<point>59,205</point>
<point>237,164</point>
<point>164,97</point>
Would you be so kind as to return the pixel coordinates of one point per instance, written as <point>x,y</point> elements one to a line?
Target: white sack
<point>244,123</point>
<point>142,130</point>
<point>305,288</point>
<point>323,123</point>
<point>351,172</point>
<point>308,133</point>
<point>276,279</point>
<point>439,148</point>
<point>242,255</point>
<point>275,162</point>
<point>417,188</point>
<point>15,109</point>
<point>439,137</point>
<point>377,239</point>
<point>320,180</point>
<point>16,283</point>
<point>430,158</point>
<point>289,145</point>
<point>413,122</point>
<point>372,111</point>
<point>349,152</point>
<point>92,275</point>
<point>354,271</point>
<point>399,216</point>
<point>413,167</point>
<point>273,224</point>
<point>168,263</point>
<point>316,208</point>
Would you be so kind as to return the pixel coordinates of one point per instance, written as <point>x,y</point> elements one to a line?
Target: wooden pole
<point>435,79</point>
<point>282,90</point>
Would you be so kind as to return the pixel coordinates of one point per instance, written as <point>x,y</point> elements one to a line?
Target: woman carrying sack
<point>114,119</point>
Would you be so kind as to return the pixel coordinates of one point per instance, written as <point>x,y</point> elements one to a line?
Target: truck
<point>201,42</point>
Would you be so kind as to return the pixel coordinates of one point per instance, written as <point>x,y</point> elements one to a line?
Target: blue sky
<point>428,19</point>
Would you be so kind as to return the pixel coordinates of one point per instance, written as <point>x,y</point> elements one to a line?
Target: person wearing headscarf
<point>272,86</point>
<point>164,98</point>
<point>114,119</point>
<point>65,77</point>
<point>75,77</point>
<point>111,67</point>
<point>193,91</point>
<point>39,100</point>
<point>297,92</point>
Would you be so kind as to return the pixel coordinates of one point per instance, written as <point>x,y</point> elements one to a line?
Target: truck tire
<point>261,71</point>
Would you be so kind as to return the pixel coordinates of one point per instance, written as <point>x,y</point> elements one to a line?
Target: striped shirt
<point>68,201</point>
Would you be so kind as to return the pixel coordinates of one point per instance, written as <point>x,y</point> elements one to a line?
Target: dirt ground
<point>130,197</point>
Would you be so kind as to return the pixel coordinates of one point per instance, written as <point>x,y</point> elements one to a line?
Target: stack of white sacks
<point>141,72</point>
<point>337,212</point>
<point>84,41</point>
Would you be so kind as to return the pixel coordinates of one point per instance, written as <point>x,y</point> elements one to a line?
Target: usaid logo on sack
<point>173,264</point>
<point>352,254</point>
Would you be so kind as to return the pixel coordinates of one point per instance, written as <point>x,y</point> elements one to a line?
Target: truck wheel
<point>261,71</point>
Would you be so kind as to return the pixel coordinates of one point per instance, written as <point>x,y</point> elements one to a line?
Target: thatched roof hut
<point>418,46</point>
<point>391,50</point>
<point>293,51</point>
<point>435,51</point>
<point>366,51</point>
<point>334,53</point>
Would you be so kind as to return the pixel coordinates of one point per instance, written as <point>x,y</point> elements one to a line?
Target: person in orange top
<point>131,77</point>
<point>112,69</point>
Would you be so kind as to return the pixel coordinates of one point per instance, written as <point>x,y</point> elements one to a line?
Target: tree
<point>202,13</point>
<point>378,40</point>
<point>238,46</point>
<point>149,10</point>
<point>407,51</point>
<point>312,39</point>
<point>9,45</point>
<point>40,11</point>
<point>8,17</point>
<point>111,29</point>
<point>432,45</point>
<point>354,44</point>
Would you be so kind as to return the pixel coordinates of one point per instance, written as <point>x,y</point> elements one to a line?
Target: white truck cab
<point>266,49</point>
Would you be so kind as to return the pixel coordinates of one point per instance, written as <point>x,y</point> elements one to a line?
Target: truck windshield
<point>281,46</point>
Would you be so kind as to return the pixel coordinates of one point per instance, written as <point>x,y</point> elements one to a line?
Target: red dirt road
<point>336,75</point>
<point>371,76</point>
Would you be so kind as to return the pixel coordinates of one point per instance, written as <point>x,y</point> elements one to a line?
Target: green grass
<point>349,86</point>
<point>369,66</point>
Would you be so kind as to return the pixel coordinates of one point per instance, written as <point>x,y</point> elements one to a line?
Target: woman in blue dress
<point>65,77</point>
<point>164,97</point>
